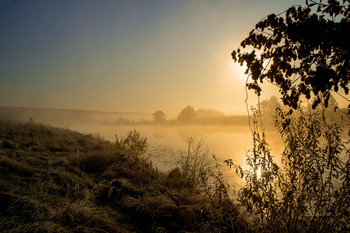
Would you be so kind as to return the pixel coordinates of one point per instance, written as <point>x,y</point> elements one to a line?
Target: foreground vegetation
<point>304,52</point>
<point>308,190</point>
<point>56,180</point>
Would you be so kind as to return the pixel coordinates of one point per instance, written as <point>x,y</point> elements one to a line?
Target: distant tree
<point>123,121</point>
<point>187,115</point>
<point>268,106</point>
<point>303,51</point>
<point>159,116</point>
<point>208,113</point>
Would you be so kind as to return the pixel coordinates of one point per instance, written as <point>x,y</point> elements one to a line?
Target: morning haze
<point>135,116</point>
<point>125,56</point>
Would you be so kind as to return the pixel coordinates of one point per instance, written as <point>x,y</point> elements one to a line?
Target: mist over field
<point>175,116</point>
<point>227,136</point>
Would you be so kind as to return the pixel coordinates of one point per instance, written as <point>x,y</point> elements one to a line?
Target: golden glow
<point>99,72</point>
<point>239,70</point>
<point>258,172</point>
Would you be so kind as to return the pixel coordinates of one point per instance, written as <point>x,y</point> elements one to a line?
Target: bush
<point>196,162</point>
<point>310,191</point>
<point>133,143</point>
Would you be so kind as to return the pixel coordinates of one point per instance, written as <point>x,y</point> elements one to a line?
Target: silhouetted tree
<point>187,115</point>
<point>159,116</point>
<point>303,50</point>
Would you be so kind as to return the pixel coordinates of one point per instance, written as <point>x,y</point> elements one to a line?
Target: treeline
<point>187,116</point>
<point>266,110</point>
<point>67,117</point>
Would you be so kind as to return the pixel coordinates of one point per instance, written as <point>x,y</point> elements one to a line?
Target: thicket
<point>304,52</point>
<point>308,191</point>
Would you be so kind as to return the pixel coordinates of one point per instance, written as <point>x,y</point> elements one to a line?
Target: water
<point>165,142</point>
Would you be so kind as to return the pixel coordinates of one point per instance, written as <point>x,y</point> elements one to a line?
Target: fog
<point>227,136</point>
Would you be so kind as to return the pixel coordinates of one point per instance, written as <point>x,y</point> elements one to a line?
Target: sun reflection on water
<point>258,172</point>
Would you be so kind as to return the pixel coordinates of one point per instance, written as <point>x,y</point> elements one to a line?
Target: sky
<point>127,55</point>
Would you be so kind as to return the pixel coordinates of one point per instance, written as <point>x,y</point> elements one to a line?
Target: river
<point>166,142</point>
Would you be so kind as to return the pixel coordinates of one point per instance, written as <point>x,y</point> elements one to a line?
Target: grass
<point>57,180</point>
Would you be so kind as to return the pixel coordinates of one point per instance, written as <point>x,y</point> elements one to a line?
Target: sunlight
<point>258,172</point>
<point>239,70</point>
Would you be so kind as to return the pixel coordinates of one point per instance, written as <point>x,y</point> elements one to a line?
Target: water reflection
<point>165,142</point>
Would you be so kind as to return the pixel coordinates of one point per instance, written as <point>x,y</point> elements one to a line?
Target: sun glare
<point>239,71</point>
<point>258,172</point>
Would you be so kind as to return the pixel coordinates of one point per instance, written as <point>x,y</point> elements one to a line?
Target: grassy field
<point>56,180</point>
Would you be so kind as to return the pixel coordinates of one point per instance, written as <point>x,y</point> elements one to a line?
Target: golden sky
<point>127,56</point>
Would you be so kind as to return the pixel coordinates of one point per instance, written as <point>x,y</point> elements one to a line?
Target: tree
<point>310,191</point>
<point>187,115</point>
<point>159,116</point>
<point>304,51</point>
<point>208,113</point>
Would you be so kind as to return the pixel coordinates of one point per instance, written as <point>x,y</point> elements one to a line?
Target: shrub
<point>196,162</point>
<point>310,191</point>
<point>133,143</point>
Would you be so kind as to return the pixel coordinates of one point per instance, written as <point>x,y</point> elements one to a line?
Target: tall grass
<point>56,180</point>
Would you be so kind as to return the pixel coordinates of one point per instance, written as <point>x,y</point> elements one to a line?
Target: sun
<point>239,71</point>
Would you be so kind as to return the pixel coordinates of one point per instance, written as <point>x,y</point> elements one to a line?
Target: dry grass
<point>56,180</point>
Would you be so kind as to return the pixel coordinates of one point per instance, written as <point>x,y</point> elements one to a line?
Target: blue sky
<point>126,56</point>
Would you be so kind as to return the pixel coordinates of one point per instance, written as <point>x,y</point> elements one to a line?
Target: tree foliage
<point>304,51</point>
<point>187,115</point>
<point>159,116</point>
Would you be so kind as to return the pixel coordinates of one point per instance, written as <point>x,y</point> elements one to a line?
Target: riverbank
<point>57,180</point>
